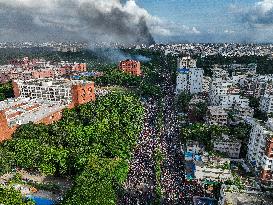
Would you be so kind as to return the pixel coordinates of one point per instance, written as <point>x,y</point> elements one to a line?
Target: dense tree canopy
<point>6,91</point>
<point>10,196</point>
<point>202,133</point>
<point>107,127</point>
<point>92,143</point>
<point>99,183</point>
<point>182,101</point>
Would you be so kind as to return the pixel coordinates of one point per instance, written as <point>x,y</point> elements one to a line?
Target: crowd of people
<point>141,183</point>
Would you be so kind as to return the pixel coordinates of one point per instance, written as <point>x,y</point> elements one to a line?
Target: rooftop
<point>24,110</point>
<point>217,110</point>
<point>226,138</point>
<point>52,82</point>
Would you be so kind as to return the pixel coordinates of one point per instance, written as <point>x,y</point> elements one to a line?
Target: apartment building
<point>194,147</point>
<point>189,77</point>
<point>130,66</point>
<point>256,86</point>
<point>260,149</point>
<point>186,62</point>
<point>206,84</point>
<point>41,101</point>
<point>25,69</point>
<point>218,88</point>
<point>266,102</point>
<point>227,145</point>
<point>224,93</point>
<point>216,115</point>
<point>218,72</point>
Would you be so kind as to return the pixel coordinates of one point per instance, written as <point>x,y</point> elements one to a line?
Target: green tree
<point>10,196</point>
<point>182,101</point>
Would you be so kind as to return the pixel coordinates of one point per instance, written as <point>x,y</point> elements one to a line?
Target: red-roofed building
<point>41,101</point>
<point>130,66</point>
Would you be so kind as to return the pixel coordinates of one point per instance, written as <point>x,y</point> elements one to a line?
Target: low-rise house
<point>232,195</point>
<point>217,169</point>
<point>194,147</point>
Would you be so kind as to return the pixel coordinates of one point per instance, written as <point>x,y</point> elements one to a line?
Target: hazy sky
<point>135,21</point>
<point>215,20</point>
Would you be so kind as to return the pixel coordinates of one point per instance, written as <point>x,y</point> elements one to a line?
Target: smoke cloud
<point>95,21</point>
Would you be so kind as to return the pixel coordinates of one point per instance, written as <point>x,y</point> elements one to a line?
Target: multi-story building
<point>260,149</point>
<point>186,62</point>
<point>206,84</point>
<point>227,145</point>
<point>218,88</point>
<point>216,115</point>
<point>266,103</point>
<point>189,78</point>
<point>194,147</point>
<point>224,93</point>
<point>257,86</point>
<point>219,72</point>
<point>25,69</point>
<point>130,66</point>
<point>41,101</point>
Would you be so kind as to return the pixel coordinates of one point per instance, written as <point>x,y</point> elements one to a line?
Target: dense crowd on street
<point>141,183</point>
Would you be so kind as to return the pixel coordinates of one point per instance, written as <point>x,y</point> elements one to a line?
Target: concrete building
<point>260,149</point>
<point>232,195</point>
<point>189,78</point>
<point>41,101</point>
<point>214,170</point>
<point>224,94</point>
<point>186,62</point>
<point>227,145</point>
<point>266,103</point>
<point>206,84</point>
<point>194,147</point>
<point>257,86</point>
<point>240,111</point>
<point>219,72</point>
<point>26,69</point>
<point>216,115</point>
<point>56,90</point>
<point>130,66</point>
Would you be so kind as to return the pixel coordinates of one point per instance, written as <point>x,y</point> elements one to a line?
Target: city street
<point>141,182</point>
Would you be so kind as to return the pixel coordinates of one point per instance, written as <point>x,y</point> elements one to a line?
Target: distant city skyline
<point>137,21</point>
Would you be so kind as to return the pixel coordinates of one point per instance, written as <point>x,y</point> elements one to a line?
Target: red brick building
<point>79,67</point>
<point>41,101</point>
<point>130,66</point>
<point>43,73</point>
